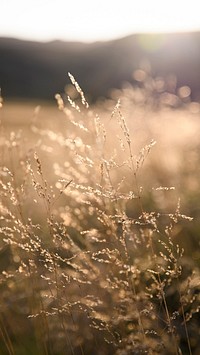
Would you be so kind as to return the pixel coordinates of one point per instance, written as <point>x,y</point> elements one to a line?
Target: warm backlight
<point>91,20</point>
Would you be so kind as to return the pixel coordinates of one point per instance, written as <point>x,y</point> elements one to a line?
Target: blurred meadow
<point>100,210</point>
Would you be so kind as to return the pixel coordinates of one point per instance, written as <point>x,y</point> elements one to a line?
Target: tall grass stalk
<point>90,265</point>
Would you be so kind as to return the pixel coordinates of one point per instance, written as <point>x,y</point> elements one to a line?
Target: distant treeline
<point>39,70</point>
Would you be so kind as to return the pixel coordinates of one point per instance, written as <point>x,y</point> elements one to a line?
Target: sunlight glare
<point>90,20</point>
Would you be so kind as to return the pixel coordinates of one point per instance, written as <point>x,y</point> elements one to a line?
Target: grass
<point>99,224</point>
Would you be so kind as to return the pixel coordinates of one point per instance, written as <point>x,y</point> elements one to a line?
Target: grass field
<point>99,224</point>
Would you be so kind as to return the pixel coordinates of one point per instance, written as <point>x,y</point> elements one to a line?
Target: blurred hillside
<point>39,70</point>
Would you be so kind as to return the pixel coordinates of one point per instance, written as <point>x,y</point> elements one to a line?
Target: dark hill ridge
<point>39,70</point>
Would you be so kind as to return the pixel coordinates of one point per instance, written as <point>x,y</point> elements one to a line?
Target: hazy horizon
<point>96,41</point>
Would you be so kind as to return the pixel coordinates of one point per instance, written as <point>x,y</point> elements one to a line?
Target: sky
<point>90,20</point>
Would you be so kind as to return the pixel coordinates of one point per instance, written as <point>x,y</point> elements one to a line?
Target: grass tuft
<point>98,227</point>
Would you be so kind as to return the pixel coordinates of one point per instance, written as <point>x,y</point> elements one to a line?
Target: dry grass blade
<point>96,256</point>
